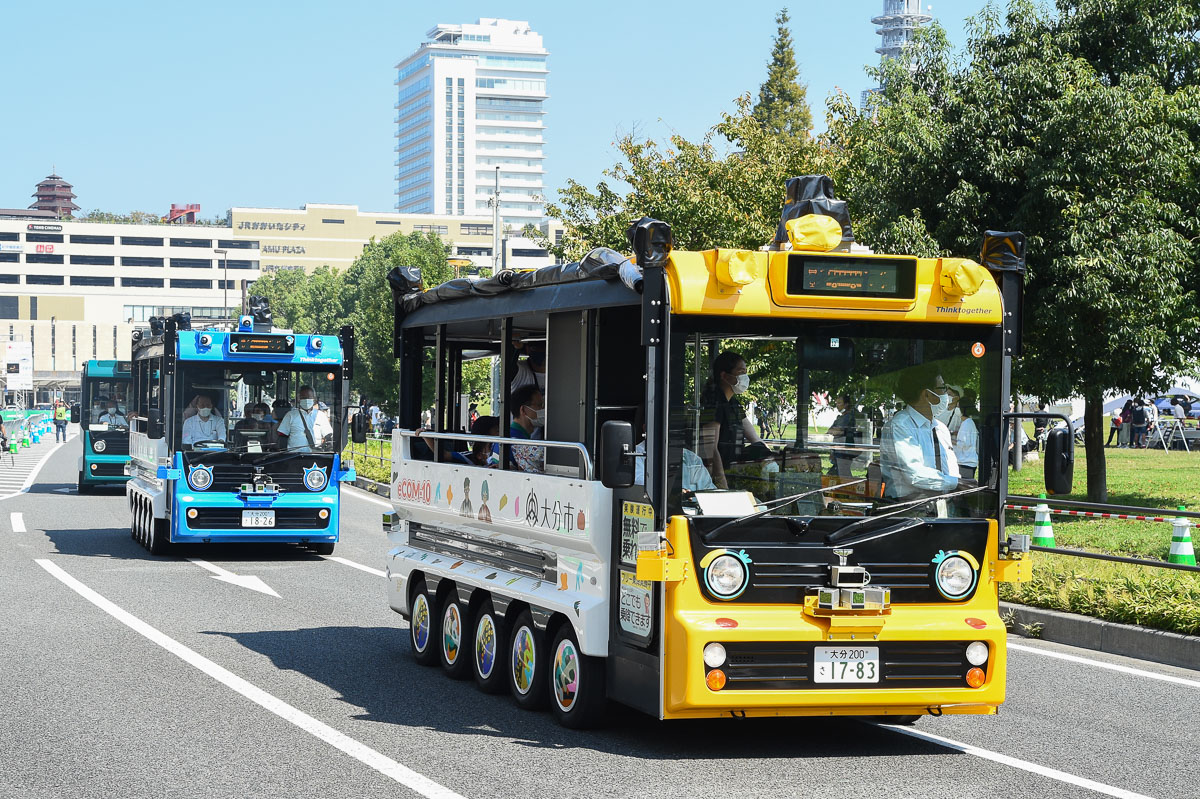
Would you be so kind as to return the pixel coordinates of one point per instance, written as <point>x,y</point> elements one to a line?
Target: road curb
<point>1143,643</point>
<point>370,485</point>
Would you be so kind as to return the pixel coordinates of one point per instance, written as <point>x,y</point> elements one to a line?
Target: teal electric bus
<point>103,422</point>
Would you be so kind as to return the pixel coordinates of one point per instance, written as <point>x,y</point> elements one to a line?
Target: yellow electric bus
<point>630,533</point>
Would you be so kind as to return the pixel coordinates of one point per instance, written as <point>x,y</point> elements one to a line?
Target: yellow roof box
<point>814,233</point>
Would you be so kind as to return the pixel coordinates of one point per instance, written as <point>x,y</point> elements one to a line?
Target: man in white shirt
<point>305,427</point>
<point>915,452</point>
<point>112,416</point>
<point>205,425</point>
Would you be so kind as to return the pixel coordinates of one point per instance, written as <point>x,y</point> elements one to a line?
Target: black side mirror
<point>154,424</point>
<point>74,414</point>
<point>616,454</point>
<point>358,427</point>
<point>1060,461</point>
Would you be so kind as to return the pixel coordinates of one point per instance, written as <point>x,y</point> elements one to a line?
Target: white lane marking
<point>358,566</point>
<point>1110,666</point>
<point>18,522</point>
<point>245,581</point>
<point>358,492</point>
<point>1024,765</point>
<point>410,779</point>
<point>34,473</point>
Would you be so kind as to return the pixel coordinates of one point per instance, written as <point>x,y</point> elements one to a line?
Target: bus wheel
<point>526,652</point>
<point>133,518</point>
<point>576,682</point>
<point>423,627</point>
<point>456,661</point>
<point>139,520</point>
<point>323,548</point>
<point>156,541</point>
<point>488,657</point>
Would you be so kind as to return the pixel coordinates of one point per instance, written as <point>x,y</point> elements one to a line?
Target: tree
<point>288,292</point>
<point>1087,146</point>
<point>782,100</point>
<point>710,199</point>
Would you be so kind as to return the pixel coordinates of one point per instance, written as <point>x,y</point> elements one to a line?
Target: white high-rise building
<point>897,24</point>
<point>470,100</point>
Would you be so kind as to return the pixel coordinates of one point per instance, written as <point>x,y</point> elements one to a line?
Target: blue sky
<point>281,103</point>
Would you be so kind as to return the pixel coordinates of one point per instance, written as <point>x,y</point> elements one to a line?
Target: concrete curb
<point>370,485</point>
<point>1143,643</point>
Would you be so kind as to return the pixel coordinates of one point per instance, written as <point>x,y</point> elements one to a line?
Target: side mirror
<point>74,414</point>
<point>358,427</point>
<point>1060,461</point>
<point>616,464</point>
<point>154,424</point>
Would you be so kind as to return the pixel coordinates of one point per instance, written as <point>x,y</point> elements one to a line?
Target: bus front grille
<point>788,665</point>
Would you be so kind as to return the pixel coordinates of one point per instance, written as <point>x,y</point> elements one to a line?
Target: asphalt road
<point>129,675</point>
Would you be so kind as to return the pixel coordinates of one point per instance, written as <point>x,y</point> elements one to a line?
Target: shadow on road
<point>115,542</point>
<point>370,668</point>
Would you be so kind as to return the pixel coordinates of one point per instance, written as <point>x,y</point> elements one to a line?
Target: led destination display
<point>892,278</point>
<point>247,343</point>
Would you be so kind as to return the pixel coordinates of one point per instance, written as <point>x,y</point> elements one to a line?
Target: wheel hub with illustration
<point>451,633</point>
<point>524,660</point>
<point>565,678</point>
<point>420,622</point>
<point>485,646</point>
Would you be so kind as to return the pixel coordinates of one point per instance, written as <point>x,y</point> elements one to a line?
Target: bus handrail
<point>584,456</point>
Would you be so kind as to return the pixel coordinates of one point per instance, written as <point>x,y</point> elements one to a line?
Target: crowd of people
<point>278,426</point>
<point>1137,420</point>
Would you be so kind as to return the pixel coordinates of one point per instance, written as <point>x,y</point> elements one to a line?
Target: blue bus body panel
<point>109,469</point>
<point>305,351</point>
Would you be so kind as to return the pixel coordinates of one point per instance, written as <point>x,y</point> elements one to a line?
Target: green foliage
<point>1081,140</point>
<point>710,198</point>
<point>782,99</point>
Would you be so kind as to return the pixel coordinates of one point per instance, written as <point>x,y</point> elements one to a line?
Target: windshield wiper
<point>771,505</point>
<point>843,533</point>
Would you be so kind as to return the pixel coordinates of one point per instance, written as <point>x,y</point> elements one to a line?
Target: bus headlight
<point>714,655</point>
<point>200,477</point>
<point>955,577</point>
<point>977,653</point>
<point>315,478</point>
<point>100,445</point>
<point>726,576</point>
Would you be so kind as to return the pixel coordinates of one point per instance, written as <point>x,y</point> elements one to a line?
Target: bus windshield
<point>105,401</point>
<point>257,407</point>
<point>883,418</point>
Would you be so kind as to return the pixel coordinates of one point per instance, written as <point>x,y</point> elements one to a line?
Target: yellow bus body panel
<point>749,283</point>
<point>692,622</point>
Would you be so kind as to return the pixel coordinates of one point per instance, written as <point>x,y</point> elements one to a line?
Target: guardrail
<point>364,450</point>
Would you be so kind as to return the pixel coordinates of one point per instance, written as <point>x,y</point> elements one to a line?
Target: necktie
<point>937,450</point>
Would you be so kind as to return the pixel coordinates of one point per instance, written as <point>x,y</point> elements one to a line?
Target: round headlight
<point>314,479</point>
<point>100,445</point>
<point>200,478</point>
<point>977,653</point>
<point>955,577</point>
<point>726,576</point>
<point>714,655</point>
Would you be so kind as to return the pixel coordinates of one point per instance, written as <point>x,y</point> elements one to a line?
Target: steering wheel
<point>220,444</point>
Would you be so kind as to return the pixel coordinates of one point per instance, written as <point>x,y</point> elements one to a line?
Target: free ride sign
<point>18,365</point>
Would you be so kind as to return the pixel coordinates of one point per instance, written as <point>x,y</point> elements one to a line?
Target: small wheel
<point>576,682</point>
<point>133,526</point>
<point>139,516</point>
<point>488,660</point>
<point>157,541</point>
<point>455,660</point>
<point>323,548</point>
<point>526,653</point>
<point>423,628</point>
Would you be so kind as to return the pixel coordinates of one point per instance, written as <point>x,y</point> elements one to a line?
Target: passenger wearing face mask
<point>915,453</point>
<point>306,427</point>
<point>723,417</point>
<point>952,417</point>
<point>257,422</point>
<point>112,415</point>
<point>528,408</point>
<point>532,370</point>
<point>205,425</point>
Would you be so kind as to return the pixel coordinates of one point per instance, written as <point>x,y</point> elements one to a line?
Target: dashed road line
<point>1016,762</point>
<point>358,566</point>
<point>360,494</point>
<point>17,520</point>
<point>1110,666</point>
<point>405,776</point>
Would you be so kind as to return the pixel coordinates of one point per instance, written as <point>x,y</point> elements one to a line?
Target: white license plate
<point>846,664</point>
<point>258,518</point>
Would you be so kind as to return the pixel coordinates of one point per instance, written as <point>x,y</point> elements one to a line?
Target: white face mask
<point>258,417</point>
<point>942,407</point>
<point>112,410</point>
<point>537,418</point>
<point>742,384</point>
<point>307,404</point>
<point>204,412</point>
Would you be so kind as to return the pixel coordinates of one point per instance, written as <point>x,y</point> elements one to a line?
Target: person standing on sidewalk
<point>1115,426</point>
<point>1124,434</point>
<point>1139,425</point>
<point>62,415</point>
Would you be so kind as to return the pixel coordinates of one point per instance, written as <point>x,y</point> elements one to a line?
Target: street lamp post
<point>225,281</point>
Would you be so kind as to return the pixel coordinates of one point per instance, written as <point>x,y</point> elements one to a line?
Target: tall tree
<point>1032,132</point>
<point>782,99</point>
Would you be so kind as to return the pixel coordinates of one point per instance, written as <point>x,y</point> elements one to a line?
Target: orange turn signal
<point>715,680</point>
<point>975,677</point>
<point>323,513</point>
<point>192,513</point>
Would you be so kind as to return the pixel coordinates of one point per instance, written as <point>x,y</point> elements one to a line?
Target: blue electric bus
<point>103,422</point>
<point>235,436</point>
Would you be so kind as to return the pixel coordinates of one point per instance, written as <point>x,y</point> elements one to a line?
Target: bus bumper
<point>310,519</point>
<point>98,470</point>
<point>771,653</point>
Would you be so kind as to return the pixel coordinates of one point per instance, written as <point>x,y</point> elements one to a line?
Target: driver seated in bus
<point>113,415</point>
<point>915,452</point>
<point>256,424</point>
<point>305,427</point>
<point>205,425</point>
